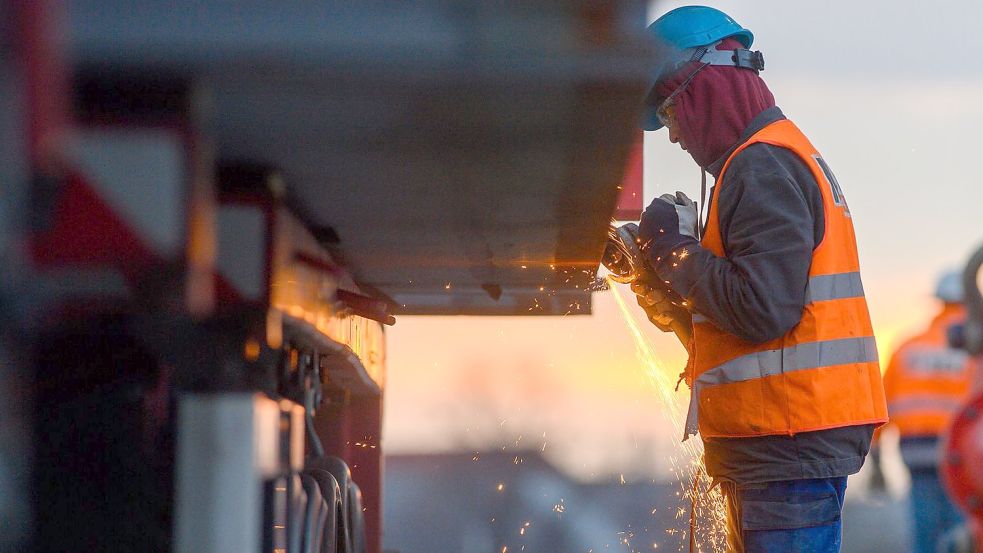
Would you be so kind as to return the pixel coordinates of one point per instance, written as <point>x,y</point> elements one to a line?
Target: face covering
<point>716,106</point>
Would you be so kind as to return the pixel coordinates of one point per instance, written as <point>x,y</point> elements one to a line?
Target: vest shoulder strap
<point>781,133</point>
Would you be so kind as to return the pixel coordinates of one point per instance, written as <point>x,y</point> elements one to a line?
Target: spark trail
<point>689,469</point>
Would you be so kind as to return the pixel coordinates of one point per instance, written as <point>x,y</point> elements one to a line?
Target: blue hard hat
<point>681,30</point>
<point>950,287</point>
<point>692,26</point>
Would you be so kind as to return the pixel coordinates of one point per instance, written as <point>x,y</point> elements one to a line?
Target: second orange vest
<point>927,381</point>
<point>824,372</point>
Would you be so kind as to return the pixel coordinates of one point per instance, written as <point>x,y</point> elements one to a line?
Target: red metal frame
<point>37,24</point>
<point>351,429</point>
<point>350,424</point>
<point>86,232</point>
<point>962,464</point>
<point>630,201</point>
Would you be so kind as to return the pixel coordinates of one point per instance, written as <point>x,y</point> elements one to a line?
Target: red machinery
<point>208,214</point>
<point>962,457</point>
<point>962,465</point>
<point>207,376</point>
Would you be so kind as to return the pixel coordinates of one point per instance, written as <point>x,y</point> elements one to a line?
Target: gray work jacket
<point>771,219</point>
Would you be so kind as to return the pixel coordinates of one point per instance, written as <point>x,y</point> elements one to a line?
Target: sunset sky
<point>896,111</point>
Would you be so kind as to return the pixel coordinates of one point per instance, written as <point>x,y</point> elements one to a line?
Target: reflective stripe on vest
<point>834,287</point>
<point>919,404</point>
<point>771,362</point>
<point>822,288</point>
<point>793,358</point>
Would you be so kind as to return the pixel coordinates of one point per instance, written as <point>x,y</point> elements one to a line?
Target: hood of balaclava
<point>716,106</point>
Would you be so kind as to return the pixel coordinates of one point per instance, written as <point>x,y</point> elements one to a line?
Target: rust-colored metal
<point>962,464</point>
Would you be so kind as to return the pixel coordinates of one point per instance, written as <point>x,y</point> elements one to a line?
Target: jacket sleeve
<point>757,291</point>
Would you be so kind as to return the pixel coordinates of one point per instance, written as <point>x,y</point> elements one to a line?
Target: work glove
<point>662,306</point>
<point>667,228</point>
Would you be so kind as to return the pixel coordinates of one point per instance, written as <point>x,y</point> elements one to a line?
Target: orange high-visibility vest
<point>927,381</point>
<point>823,373</point>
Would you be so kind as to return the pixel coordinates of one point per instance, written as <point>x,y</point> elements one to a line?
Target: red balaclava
<point>716,106</point>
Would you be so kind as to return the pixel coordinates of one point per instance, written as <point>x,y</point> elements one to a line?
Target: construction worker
<point>926,383</point>
<point>785,383</point>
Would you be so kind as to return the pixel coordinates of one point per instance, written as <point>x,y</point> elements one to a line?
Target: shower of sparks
<point>687,465</point>
<point>559,508</point>
<point>689,469</point>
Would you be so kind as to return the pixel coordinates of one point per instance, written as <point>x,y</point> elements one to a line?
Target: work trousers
<point>789,516</point>
<point>932,512</point>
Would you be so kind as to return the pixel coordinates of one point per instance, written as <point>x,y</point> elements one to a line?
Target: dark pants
<point>933,513</point>
<point>789,516</point>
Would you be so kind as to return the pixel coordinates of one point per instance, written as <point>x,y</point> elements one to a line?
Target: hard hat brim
<point>650,121</point>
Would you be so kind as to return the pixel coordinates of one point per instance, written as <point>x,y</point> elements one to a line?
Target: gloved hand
<point>662,306</point>
<point>667,227</point>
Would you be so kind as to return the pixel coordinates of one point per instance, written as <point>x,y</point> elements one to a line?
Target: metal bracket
<point>973,332</point>
<point>740,57</point>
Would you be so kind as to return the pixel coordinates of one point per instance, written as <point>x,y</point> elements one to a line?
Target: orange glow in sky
<point>571,386</point>
<point>460,383</point>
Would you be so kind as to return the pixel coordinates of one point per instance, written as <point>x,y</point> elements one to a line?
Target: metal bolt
<point>971,413</point>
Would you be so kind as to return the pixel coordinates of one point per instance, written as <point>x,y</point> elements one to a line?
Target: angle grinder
<point>623,257</point>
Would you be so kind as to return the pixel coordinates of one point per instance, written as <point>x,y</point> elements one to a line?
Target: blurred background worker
<point>925,383</point>
<point>785,380</point>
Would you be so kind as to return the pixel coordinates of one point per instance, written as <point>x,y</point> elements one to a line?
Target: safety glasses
<point>665,111</point>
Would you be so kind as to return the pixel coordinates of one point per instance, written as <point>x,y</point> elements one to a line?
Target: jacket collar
<point>759,122</point>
